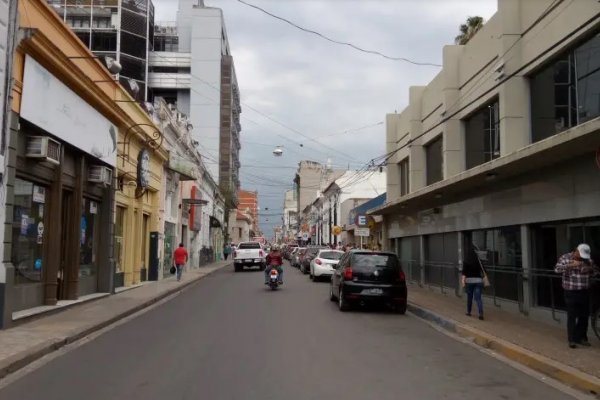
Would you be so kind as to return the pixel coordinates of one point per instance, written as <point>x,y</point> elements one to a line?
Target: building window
<point>166,43</point>
<point>566,92</point>
<point>434,160</point>
<point>482,136</point>
<point>500,253</point>
<point>404,177</point>
<point>28,222</point>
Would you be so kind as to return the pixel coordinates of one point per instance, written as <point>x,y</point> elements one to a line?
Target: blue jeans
<point>474,289</point>
<point>268,272</point>
<point>179,268</point>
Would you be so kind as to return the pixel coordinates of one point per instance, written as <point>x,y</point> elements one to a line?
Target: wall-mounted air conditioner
<point>43,148</point>
<point>100,174</point>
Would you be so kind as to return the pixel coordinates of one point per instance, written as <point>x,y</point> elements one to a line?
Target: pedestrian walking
<point>181,258</point>
<point>577,269</point>
<point>226,250</point>
<point>472,280</point>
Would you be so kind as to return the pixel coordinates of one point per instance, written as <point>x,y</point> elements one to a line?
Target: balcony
<point>163,80</point>
<point>169,59</point>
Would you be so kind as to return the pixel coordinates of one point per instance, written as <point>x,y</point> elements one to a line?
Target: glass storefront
<point>550,241</point>
<point>28,231</point>
<point>500,252</point>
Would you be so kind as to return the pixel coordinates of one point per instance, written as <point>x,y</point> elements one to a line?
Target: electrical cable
<point>374,52</point>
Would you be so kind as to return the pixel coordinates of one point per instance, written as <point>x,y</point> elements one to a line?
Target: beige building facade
<point>501,150</point>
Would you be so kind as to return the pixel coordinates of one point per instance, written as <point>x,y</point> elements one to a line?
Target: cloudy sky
<point>321,93</point>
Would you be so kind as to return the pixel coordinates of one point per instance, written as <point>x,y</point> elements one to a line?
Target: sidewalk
<point>30,341</point>
<point>540,346</point>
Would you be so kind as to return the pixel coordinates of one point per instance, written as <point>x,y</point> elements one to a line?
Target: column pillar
<point>527,262</point>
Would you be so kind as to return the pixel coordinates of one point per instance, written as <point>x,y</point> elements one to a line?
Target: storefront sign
<point>185,168</point>
<point>93,207</point>
<point>361,220</point>
<point>39,194</point>
<point>143,170</point>
<point>51,105</point>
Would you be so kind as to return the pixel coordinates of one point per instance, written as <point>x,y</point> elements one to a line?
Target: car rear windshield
<point>370,261</point>
<point>249,246</point>
<point>331,255</point>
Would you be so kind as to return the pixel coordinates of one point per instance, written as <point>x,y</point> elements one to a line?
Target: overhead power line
<point>322,36</point>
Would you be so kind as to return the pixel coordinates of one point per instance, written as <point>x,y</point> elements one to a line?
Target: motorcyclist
<point>274,260</point>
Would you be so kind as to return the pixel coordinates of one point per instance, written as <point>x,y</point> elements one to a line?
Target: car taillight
<point>348,273</point>
<point>235,254</point>
<point>260,253</point>
<point>402,276</point>
<point>317,261</point>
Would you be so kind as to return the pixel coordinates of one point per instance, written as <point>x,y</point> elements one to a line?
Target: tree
<point>468,30</point>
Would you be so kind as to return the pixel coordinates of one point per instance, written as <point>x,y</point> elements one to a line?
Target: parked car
<point>287,254</point>
<point>249,254</point>
<point>324,263</point>
<point>363,277</point>
<point>297,256</point>
<point>311,253</point>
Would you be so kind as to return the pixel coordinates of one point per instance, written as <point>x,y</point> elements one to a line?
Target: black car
<point>363,277</point>
<point>309,255</point>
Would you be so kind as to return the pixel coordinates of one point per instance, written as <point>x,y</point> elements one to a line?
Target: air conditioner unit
<point>100,174</point>
<point>43,148</point>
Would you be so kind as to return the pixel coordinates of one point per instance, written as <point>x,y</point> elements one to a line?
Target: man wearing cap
<point>577,269</point>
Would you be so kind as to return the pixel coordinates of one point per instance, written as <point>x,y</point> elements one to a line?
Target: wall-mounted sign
<point>361,220</point>
<point>337,230</point>
<point>143,169</point>
<point>185,168</point>
<point>51,105</point>
<point>93,207</point>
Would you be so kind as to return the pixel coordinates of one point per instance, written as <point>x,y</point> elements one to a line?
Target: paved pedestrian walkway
<point>544,339</point>
<point>25,343</point>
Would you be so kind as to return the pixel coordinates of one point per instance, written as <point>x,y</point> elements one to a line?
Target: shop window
<point>166,43</point>
<point>566,92</point>
<point>434,160</point>
<point>550,241</point>
<point>28,231</point>
<point>500,253</point>
<point>120,221</point>
<point>404,177</point>
<point>482,136</point>
<point>89,237</point>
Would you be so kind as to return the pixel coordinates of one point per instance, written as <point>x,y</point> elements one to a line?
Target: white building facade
<point>290,216</point>
<point>192,67</point>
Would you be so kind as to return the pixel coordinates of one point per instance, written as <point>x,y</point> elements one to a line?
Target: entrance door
<point>89,237</point>
<point>145,245</point>
<point>65,254</point>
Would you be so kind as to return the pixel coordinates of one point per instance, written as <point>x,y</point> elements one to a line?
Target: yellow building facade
<point>96,236</point>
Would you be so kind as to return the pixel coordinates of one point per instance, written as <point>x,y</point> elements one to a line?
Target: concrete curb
<point>563,373</point>
<point>21,360</point>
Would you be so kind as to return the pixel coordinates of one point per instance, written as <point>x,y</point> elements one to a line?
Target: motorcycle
<point>273,279</point>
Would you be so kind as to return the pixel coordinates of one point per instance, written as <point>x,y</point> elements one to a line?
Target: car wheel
<point>311,276</point>
<point>400,309</point>
<point>342,302</point>
<point>331,295</point>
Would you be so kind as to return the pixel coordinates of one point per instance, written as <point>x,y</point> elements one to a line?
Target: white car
<point>324,263</point>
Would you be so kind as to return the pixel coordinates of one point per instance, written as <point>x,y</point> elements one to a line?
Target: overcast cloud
<point>321,89</point>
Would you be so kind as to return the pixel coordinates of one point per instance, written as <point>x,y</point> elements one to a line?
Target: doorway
<point>145,240</point>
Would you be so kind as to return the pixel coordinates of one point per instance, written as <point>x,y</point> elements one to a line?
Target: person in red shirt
<point>275,260</point>
<point>181,257</point>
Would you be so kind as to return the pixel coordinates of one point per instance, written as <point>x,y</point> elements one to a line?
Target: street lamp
<point>278,151</point>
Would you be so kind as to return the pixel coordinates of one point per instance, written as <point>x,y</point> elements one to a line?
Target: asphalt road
<point>227,337</point>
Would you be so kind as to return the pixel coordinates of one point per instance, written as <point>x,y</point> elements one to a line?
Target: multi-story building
<point>310,180</point>
<point>290,215</point>
<point>192,66</point>
<point>342,195</point>
<point>501,151</point>
<point>248,203</point>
